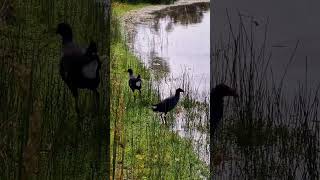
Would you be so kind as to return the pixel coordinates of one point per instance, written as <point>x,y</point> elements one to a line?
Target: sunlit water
<point>176,47</point>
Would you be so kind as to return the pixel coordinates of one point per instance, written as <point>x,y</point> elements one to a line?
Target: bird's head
<point>179,90</point>
<point>64,30</point>
<point>130,71</point>
<point>223,90</point>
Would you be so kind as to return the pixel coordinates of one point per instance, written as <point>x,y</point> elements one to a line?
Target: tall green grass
<point>143,147</point>
<point>39,136</point>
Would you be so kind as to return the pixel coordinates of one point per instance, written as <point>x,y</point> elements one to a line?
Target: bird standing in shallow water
<point>79,68</point>
<point>216,114</point>
<point>135,83</point>
<point>167,104</point>
<point>217,95</point>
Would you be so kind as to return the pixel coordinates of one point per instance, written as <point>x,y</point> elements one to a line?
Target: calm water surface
<point>289,21</point>
<point>176,47</point>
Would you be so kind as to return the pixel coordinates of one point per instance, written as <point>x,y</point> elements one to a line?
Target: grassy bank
<point>38,124</point>
<point>143,148</point>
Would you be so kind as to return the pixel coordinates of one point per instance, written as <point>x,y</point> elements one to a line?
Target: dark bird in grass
<point>135,83</point>
<point>79,67</point>
<point>167,104</point>
<point>216,113</point>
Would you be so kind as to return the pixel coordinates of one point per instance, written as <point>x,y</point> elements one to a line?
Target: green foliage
<point>38,128</point>
<point>120,9</point>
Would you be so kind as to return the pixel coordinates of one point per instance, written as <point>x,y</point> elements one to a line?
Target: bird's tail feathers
<point>154,107</point>
<point>138,83</point>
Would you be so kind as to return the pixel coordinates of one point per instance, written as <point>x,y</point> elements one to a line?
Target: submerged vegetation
<point>142,147</point>
<point>39,136</point>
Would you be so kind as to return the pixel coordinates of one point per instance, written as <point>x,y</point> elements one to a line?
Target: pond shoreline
<point>179,154</point>
<point>145,15</point>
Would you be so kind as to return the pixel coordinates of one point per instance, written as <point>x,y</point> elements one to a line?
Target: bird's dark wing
<point>82,55</point>
<point>72,50</point>
<point>71,66</point>
<point>166,103</point>
<point>131,82</point>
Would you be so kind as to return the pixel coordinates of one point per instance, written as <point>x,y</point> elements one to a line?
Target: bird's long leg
<point>161,118</point>
<point>134,96</point>
<point>97,100</point>
<point>140,99</point>
<point>76,98</point>
<point>165,119</point>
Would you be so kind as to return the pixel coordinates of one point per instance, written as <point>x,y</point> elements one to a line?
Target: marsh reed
<point>267,133</point>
